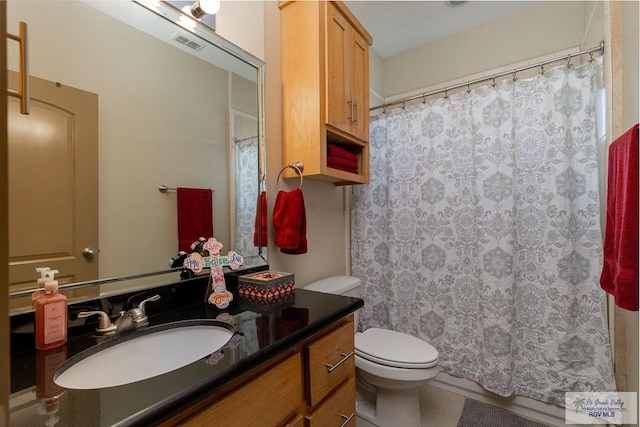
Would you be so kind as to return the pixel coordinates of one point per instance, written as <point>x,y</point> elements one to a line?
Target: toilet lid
<point>395,349</point>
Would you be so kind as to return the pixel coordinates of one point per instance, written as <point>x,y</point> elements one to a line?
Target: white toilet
<point>390,366</point>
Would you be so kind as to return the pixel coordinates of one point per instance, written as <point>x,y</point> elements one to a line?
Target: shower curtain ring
<point>590,56</point>
<point>468,88</point>
<point>541,68</point>
<point>446,93</point>
<point>424,98</point>
<point>493,81</point>
<point>568,61</point>
<point>514,75</point>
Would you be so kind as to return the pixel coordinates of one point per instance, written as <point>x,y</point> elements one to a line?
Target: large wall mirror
<point>126,97</point>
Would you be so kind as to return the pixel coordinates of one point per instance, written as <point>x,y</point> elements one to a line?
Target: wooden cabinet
<point>273,397</point>
<point>325,89</point>
<point>312,385</point>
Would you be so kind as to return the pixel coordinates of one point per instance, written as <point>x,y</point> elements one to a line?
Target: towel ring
<point>297,166</point>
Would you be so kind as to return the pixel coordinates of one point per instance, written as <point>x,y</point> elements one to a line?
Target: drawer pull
<point>345,356</point>
<point>346,419</point>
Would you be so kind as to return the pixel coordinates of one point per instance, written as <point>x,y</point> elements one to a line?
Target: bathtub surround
<point>480,232</point>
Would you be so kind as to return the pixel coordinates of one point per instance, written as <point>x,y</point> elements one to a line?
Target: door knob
<point>88,252</point>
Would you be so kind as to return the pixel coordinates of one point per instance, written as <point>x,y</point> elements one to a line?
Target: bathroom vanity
<point>287,362</point>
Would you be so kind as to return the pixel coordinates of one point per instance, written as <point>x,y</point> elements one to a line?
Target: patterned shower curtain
<point>246,194</point>
<point>480,233</point>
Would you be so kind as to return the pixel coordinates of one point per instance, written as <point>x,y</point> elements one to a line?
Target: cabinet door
<point>337,80</point>
<point>266,400</point>
<point>359,87</point>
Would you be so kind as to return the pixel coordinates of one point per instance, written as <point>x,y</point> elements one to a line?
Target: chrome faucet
<point>128,321</point>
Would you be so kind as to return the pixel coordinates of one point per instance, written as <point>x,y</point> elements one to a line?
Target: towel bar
<point>164,189</point>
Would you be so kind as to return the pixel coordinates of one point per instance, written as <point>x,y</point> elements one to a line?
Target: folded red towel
<point>342,164</point>
<point>195,216</point>
<point>261,221</point>
<point>620,270</point>
<point>350,170</point>
<point>337,151</point>
<point>289,222</point>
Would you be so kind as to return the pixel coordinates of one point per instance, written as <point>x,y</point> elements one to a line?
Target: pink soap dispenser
<point>51,316</point>
<point>40,283</point>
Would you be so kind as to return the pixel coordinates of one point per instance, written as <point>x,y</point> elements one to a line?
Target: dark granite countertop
<point>262,332</point>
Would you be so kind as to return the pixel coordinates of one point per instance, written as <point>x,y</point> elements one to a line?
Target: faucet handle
<point>105,327</point>
<point>144,302</point>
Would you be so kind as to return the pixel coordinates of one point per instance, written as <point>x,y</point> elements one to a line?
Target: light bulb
<point>211,7</point>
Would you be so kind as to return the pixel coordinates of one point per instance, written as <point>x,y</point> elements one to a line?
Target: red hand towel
<point>337,151</point>
<point>289,222</point>
<point>620,270</point>
<point>195,216</point>
<point>261,219</point>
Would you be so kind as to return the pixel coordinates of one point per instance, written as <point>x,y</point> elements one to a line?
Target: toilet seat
<point>395,349</point>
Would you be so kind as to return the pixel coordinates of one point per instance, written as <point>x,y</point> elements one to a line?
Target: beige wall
<point>242,23</point>
<point>375,78</point>
<point>542,29</point>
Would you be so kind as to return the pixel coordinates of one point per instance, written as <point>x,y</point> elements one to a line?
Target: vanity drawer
<point>330,360</point>
<point>337,411</point>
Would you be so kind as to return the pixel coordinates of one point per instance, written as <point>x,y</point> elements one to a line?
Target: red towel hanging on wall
<point>290,222</point>
<point>620,270</point>
<point>195,216</point>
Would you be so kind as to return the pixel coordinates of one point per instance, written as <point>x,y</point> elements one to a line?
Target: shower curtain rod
<point>598,49</point>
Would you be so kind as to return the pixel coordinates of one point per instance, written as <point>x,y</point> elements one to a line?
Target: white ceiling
<point>397,26</point>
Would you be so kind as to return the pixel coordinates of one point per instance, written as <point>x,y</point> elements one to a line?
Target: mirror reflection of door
<point>244,167</point>
<point>53,184</point>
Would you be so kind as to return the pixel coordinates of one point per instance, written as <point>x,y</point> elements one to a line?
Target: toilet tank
<point>339,285</point>
<point>348,286</point>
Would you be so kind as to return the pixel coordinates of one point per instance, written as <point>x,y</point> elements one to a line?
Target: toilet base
<point>392,408</point>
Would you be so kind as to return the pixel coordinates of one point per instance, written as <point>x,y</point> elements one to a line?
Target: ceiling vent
<point>188,42</point>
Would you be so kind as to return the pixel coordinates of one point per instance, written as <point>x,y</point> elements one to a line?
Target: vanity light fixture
<point>205,7</point>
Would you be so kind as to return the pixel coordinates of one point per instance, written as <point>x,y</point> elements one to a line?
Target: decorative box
<point>266,285</point>
<point>267,305</point>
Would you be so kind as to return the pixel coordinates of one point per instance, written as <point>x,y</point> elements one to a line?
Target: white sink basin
<point>143,354</point>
